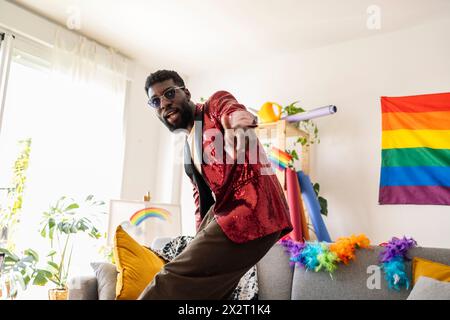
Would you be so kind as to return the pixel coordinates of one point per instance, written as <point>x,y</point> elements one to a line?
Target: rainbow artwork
<point>415,165</point>
<point>152,212</point>
<point>279,158</point>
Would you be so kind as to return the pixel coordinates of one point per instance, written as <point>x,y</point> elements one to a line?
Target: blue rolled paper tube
<point>313,206</point>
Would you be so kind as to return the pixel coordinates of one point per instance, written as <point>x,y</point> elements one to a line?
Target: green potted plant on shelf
<point>65,219</point>
<point>306,125</point>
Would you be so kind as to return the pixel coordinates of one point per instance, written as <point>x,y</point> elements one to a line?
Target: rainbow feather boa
<point>319,256</point>
<point>393,259</point>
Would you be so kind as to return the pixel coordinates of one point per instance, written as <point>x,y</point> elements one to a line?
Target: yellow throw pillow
<point>423,267</point>
<point>136,264</point>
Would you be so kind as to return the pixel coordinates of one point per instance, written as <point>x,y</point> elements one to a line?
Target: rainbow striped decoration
<point>415,165</point>
<point>152,212</point>
<point>279,158</point>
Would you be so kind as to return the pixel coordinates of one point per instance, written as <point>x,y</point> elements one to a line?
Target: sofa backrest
<point>360,279</point>
<point>275,275</point>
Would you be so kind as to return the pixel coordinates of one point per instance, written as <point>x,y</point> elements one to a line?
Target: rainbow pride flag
<point>415,160</point>
<point>279,158</point>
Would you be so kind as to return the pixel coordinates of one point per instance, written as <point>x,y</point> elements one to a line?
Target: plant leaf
<point>26,280</point>
<point>44,231</point>
<point>52,267</point>
<point>19,279</point>
<point>40,279</point>
<point>72,206</point>
<point>51,231</point>
<point>323,206</point>
<point>32,253</point>
<point>9,255</point>
<point>294,154</point>
<point>51,253</point>
<point>316,188</point>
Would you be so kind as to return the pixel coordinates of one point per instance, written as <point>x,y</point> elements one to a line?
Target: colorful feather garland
<point>294,249</point>
<point>308,256</point>
<point>318,256</point>
<point>327,260</point>
<point>393,259</point>
<point>395,273</point>
<point>397,247</point>
<point>345,248</point>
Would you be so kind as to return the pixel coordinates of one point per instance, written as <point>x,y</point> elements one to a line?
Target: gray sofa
<point>277,280</point>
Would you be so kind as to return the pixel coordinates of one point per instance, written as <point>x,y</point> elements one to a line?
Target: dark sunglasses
<point>169,94</point>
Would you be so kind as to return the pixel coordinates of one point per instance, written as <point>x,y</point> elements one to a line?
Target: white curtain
<point>78,142</point>
<point>84,61</point>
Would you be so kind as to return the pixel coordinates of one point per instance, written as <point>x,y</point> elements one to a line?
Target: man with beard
<point>241,210</point>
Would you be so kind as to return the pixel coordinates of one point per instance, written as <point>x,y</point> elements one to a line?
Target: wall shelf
<point>279,132</point>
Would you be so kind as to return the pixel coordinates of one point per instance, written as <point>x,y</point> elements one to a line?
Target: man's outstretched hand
<point>235,126</point>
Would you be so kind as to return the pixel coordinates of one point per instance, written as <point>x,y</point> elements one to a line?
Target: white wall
<point>153,155</point>
<point>142,140</point>
<point>352,75</point>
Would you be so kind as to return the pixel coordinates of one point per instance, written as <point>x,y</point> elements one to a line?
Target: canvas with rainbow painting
<point>151,212</point>
<point>143,220</point>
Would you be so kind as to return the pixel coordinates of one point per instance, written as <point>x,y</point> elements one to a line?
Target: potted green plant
<point>11,205</point>
<point>18,271</point>
<point>306,125</point>
<point>59,225</point>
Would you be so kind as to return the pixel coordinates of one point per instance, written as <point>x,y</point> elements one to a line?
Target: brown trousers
<point>210,267</point>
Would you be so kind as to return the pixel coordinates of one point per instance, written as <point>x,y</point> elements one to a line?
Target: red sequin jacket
<point>249,202</point>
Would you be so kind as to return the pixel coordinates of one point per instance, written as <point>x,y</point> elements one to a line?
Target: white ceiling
<point>193,35</point>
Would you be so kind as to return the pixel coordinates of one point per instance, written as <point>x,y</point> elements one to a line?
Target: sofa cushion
<point>360,279</point>
<point>275,275</point>
<point>431,269</point>
<point>106,274</point>
<point>430,289</point>
<point>136,264</point>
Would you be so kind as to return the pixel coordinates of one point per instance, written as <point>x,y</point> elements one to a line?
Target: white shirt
<point>191,142</point>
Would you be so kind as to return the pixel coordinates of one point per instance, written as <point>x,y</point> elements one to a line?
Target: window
<point>76,131</point>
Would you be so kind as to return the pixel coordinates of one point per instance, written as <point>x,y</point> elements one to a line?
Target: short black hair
<point>163,75</point>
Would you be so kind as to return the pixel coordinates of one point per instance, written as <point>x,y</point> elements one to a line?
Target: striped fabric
<point>415,165</point>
